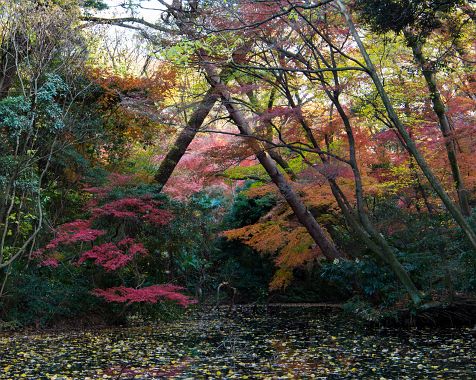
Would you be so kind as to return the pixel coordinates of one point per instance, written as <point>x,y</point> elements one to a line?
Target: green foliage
<point>41,297</point>
<point>94,4</point>
<point>432,250</point>
<point>431,247</point>
<point>14,114</point>
<point>246,211</point>
<point>365,277</point>
<point>19,114</point>
<point>396,15</point>
<point>59,133</point>
<point>237,263</point>
<point>245,269</point>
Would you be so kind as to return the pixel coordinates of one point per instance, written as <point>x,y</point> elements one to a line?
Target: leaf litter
<point>252,343</point>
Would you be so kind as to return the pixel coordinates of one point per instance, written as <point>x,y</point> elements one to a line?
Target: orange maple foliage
<point>279,235</point>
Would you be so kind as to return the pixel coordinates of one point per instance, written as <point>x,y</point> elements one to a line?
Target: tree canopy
<point>304,150</point>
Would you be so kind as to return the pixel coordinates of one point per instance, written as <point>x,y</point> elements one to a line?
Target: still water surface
<point>253,343</point>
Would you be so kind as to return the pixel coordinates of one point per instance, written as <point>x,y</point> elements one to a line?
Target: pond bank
<point>251,343</point>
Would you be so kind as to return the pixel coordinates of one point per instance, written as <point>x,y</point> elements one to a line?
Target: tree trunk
<point>183,141</point>
<point>318,234</point>
<point>360,223</point>
<point>269,130</point>
<point>8,69</point>
<point>13,51</point>
<point>440,111</point>
<point>185,138</point>
<point>387,251</point>
<point>410,144</point>
<point>7,74</point>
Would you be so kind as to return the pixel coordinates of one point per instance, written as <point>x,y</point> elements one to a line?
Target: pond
<point>253,343</point>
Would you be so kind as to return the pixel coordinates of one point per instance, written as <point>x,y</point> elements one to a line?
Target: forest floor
<point>253,342</point>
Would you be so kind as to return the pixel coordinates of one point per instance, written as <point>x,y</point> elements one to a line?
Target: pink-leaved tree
<point>109,239</point>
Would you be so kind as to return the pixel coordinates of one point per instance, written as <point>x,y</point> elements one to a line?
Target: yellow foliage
<point>261,190</point>
<point>263,237</point>
<point>279,233</point>
<point>299,249</point>
<point>281,279</point>
<point>292,245</point>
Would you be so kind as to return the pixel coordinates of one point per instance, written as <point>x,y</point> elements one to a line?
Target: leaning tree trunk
<point>328,248</point>
<point>410,144</point>
<point>440,110</point>
<point>269,131</point>
<point>184,139</point>
<point>197,118</point>
<point>360,223</point>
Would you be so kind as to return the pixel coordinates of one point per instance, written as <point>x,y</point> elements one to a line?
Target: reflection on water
<point>252,343</point>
